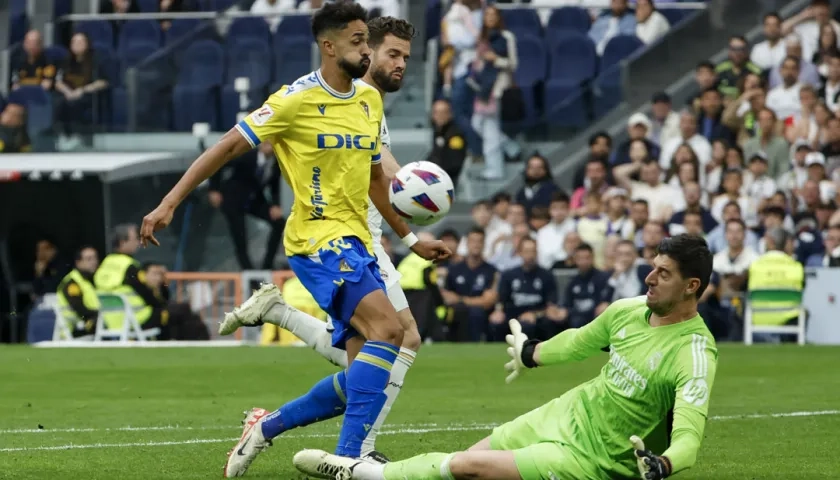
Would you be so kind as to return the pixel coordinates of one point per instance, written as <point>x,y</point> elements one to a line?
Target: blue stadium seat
<point>532,70</point>
<point>294,26</point>
<point>18,26</point>
<point>119,109</point>
<point>194,104</point>
<point>673,15</point>
<point>567,19</point>
<point>248,28</point>
<point>522,20</point>
<point>564,104</point>
<point>619,48</point>
<point>434,15</point>
<point>134,55</point>
<point>292,59</point>
<point>572,57</point>
<point>607,90</point>
<point>38,105</point>
<point>56,54</point>
<point>139,31</point>
<point>2,103</point>
<point>249,58</point>
<point>150,6</point>
<point>109,63</point>
<point>180,28</point>
<point>97,31</point>
<point>230,106</point>
<point>203,65</point>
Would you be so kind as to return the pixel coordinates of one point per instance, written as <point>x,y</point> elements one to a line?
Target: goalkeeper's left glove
<point>651,467</point>
<point>521,351</point>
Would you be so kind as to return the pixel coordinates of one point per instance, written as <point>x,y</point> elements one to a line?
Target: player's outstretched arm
<point>378,192</point>
<point>231,145</point>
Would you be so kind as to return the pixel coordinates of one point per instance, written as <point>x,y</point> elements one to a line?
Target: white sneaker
<point>250,444</point>
<point>250,313</point>
<point>320,464</point>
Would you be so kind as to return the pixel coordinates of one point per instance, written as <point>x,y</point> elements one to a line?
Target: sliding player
<point>390,43</point>
<point>662,357</point>
<point>325,130</point>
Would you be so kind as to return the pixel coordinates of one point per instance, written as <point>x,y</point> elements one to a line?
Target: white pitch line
<point>408,429</point>
<point>159,428</point>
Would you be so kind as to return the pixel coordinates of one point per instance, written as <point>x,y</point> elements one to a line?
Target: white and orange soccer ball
<point>422,193</point>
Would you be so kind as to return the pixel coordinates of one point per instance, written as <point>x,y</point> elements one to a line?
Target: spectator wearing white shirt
<point>662,199</point>
<point>553,235</point>
<point>808,73</point>
<point>784,99</point>
<point>804,124</point>
<point>795,178</point>
<point>382,8</point>
<point>650,24</point>
<point>618,21</point>
<point>311,5</point>
<point>807,23</point>
<point>717,237</point>
<point>731,183</point>
<point>830,92</point>
<point>733,263</point>
<point>759,190</point>
<point>664,122</point>
<point>770,53</point>
<point>689,135</point>
<point>273,10</point>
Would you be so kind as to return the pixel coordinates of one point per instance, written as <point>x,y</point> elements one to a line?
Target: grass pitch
<point>162,413</point>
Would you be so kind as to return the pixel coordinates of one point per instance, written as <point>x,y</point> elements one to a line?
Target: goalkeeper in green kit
<point>662,361</point>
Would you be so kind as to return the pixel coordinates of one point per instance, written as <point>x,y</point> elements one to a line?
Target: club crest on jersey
<point>365,108</point>
<point>261,116</point>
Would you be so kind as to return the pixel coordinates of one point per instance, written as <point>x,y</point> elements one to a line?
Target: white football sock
<point>368,471</point>
<point>401,365</point>
<point>312,331</point>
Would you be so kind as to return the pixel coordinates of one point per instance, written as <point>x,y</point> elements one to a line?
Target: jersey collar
<point>332,91</point>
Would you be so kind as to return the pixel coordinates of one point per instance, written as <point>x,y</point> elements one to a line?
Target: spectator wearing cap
<point>688,134</point>
<point>619,20</point>
<point>815,168</point>
<point>709,120</point>
<point>769,141</point>
<point>831,149</point>
<point>539,186</point>
<point>794,178</point>
<point>662,199</point>
<point>650,24</point>
<point>664,122</point>
<point>770,53</point>
<point>615,201</point>
<point>784,98</point>
<point>731,71</point>
<point>692,194</point>
<point>638,128</point>
<point>831,256</point>
<point>807,71</point>
<point>830,91</point>
<point>759,190</point>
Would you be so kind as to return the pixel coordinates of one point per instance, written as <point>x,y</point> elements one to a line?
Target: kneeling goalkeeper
<point>662,358</point>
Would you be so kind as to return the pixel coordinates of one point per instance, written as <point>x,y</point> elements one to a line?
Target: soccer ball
<point>422,193</point>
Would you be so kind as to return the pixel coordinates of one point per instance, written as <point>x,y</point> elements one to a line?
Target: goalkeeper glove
<point>521,351</point>
<point>651,467</point>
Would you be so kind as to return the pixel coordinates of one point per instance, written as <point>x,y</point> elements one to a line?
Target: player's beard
<point>385,81</point>
<point>355,70</point>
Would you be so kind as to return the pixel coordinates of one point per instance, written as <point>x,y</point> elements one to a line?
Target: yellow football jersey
<point>326,142</point>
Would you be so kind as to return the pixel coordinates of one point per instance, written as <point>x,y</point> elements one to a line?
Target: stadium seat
<point>249,58</point>
<point>133,32</point>
<point>133,56</point>
<point>292,59</point>
<point>202,65</point>
<point>567,19</point>
<point>193,104</point>
<point>148,6</point>
<point>572,57</point>
<point>180,28</point>
<point>38,105</point>
<point>2,103</point>
<point>119,109</point>
<point>56,54</point>
<point>564,104</point>
<point>619,48</point>
<point>294,26</point>
<point>109,63</point>
<point>230,106</point>
<point>18,26</point>
<point>673,15</point>
<point>97,31</point>
<point>248,28</point>
<point>522,20</point>
<point>434,15</point>
<point>531,72</point>
<point>607,91</point>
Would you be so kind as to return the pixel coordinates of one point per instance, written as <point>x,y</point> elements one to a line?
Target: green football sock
<point>430,466</point>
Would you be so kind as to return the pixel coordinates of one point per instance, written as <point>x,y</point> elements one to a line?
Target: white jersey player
<point>390,42</point>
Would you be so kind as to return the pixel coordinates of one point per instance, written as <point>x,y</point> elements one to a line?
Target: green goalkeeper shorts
<point>538,457</point>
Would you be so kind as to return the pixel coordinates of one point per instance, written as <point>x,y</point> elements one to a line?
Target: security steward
<point>449,149</point>
<point>120,273</point>
<point>418,279</point>
<point>77,296</point>
<point>776,270</point>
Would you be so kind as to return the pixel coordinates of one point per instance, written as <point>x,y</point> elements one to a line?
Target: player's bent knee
<point>376,319</point>
<point>411,336</point>
<point>484,465</point>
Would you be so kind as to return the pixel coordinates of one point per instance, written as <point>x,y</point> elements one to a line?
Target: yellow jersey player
<point>325,130</point>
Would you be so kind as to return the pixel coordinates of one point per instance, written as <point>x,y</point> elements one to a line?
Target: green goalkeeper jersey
<point>650,372</point>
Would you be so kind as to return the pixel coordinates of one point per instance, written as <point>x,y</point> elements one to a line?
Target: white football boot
<point>250,444</point>
<point>321,464</point>
<point>250,313</point>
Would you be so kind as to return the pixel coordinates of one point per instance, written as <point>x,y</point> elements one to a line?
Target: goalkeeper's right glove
<point>521,351</point>
<point>651,467</point>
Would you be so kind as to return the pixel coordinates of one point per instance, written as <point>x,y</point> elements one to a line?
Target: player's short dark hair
<point>692,255</point>
<point>336,16</point>
<point>559,197</point>
<point>380,27</point>
<point>477,230</point>
<point>584,247</point>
